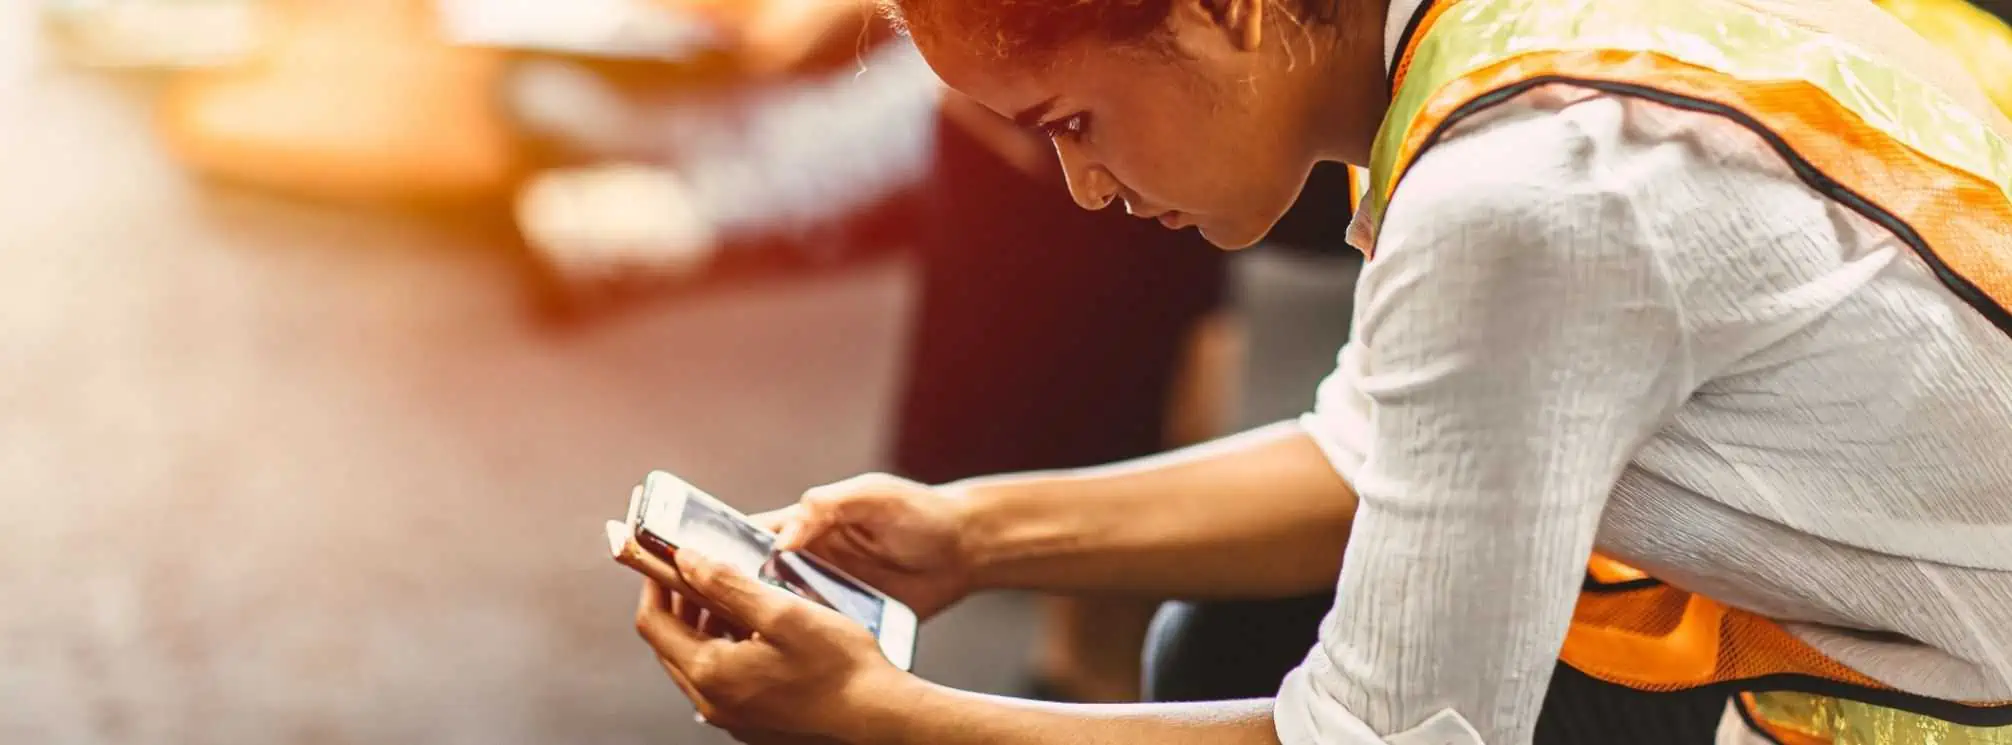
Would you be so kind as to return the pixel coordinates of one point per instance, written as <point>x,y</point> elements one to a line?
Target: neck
<point>1350,97</point>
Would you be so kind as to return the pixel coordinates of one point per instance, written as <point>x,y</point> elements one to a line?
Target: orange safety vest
<point>1861,131</point>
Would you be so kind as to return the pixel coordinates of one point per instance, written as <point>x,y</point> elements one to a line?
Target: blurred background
<point>331,331</point>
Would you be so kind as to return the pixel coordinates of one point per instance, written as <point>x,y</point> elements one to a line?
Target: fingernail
<point>786,540</point>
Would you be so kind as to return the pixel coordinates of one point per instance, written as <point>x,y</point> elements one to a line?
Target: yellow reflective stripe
<point>1358,187</point>
<point>1723,37</point>
<point>1979,40</point>
<point>1842,722</point>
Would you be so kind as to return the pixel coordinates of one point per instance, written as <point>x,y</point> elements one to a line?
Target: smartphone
<point>668,515</point>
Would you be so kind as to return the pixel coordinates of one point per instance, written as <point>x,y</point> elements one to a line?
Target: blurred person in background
<point>1048,337</point>
<point>819,143</point>
<point>1045,337</point>
<point>1550,353</point>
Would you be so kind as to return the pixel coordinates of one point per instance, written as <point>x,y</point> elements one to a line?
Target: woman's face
<point>1203,127</point>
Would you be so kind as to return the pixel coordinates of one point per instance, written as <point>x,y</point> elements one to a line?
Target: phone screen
<point>722,535</point>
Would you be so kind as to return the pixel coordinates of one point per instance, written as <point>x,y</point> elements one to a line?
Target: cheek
<point>1169,154</point>
<point>1180,139</point>
<point>1195,166</point>
<point>1146,160</point>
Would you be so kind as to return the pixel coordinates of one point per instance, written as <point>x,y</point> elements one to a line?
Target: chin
<point>1230,238</point>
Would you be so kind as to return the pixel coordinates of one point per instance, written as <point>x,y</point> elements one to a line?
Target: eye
<point>1073,125</point>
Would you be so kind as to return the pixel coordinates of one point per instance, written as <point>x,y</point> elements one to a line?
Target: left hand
<point>805,670</point>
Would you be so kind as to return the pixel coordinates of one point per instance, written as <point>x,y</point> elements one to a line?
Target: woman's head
<point>1197,112</point>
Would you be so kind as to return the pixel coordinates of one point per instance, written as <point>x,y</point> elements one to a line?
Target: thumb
<point>755,605</point>
<point>721,588</point>
<point>774,521</point>
<point>860,499</point>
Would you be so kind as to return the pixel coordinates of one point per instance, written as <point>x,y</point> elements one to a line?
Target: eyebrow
<point>1033,115</point>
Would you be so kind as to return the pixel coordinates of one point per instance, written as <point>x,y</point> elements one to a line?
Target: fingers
<point>719,626</point>
<point>705,711</point>
<point>686,611</point>
<point>685,652</point>
<point>634,556</point>
<point>716,607</point>
<point>677,629</point>
<point>658,623</point>
<point>831,506</point>
<point>755,606</point>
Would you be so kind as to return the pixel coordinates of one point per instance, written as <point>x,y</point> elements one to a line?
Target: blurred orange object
<point>154,35</point>
<point>774,37</point>
<point>354,100</point>
<point>726,11</point>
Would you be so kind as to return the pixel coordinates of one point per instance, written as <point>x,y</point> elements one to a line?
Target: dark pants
<point>1225,651</point>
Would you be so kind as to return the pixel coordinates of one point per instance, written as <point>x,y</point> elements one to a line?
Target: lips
<point>1172,219</point>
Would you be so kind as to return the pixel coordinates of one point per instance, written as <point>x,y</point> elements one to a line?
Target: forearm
<point>1260,514</point>
<point>936,715</point>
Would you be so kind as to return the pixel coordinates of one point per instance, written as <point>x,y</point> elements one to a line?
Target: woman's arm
<point>808,674</point>
<point>1260,514</point>
<point>929,714</point>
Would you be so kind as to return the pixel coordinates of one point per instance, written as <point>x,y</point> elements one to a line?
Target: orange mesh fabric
<point>1607,571</point>
<point>1665,639</point>
<point>1661,639</point>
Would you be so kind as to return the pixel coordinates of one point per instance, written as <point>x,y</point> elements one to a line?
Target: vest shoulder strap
<point>1869,134</point>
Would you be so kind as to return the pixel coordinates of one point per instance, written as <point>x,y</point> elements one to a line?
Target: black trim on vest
<point>1753,723</point>
<point>1404,42</point>
<point>1816,179</point>
<point>1999,715</point>
<point>1595,586</point>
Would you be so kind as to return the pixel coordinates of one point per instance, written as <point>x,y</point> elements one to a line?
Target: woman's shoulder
<point>1692,191</point>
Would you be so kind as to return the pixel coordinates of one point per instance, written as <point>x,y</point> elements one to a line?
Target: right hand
<point>902,537</point>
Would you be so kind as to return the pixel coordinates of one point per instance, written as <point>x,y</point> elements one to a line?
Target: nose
<point>1090,185</point>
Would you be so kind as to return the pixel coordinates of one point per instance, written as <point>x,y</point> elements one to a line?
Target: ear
<point>1241,22</point>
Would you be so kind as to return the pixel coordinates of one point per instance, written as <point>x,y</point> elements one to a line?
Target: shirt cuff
<point>1304,715</point>
<point>1338,446</point>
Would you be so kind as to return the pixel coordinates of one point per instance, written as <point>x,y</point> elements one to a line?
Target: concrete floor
<point>279,474</point>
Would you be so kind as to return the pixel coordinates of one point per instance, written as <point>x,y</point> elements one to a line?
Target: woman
<point>1718,287</point>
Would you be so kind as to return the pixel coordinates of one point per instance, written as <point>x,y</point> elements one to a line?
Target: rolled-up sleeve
<point>1515,343</point>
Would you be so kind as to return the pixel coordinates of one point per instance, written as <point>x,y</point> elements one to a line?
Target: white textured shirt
<point>1600,321</point>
